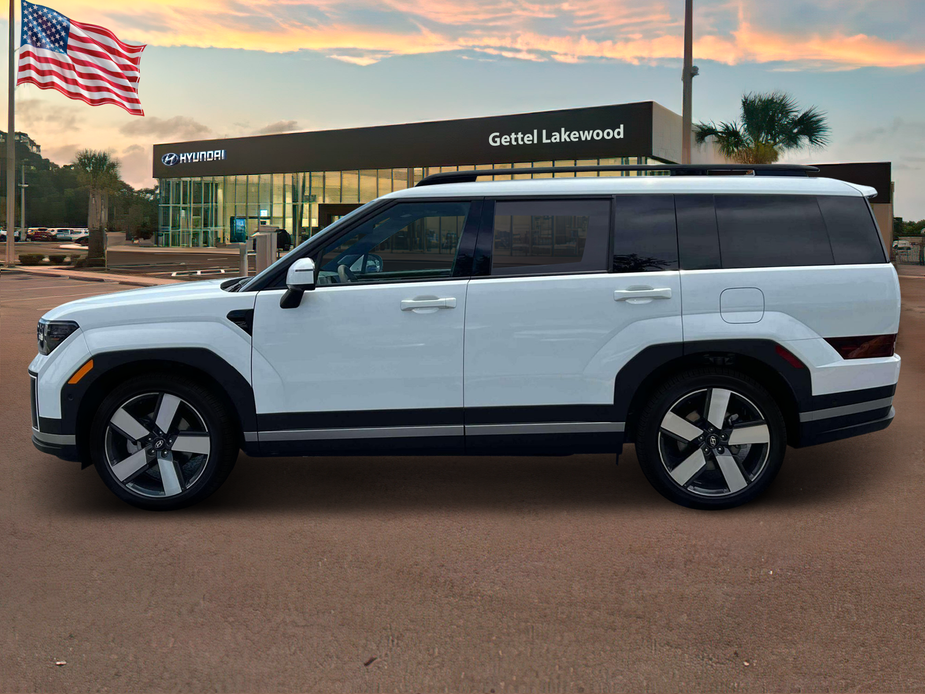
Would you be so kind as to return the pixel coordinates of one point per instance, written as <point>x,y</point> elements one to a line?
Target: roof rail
<point>671,169</point>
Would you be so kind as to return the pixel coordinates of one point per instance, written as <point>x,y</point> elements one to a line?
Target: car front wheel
<point>162,442</point>
<point>711,439</point>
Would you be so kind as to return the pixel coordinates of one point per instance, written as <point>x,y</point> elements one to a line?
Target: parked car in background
<point>43,234</point>
<point>64,234</point>
<point>902,245</point>
<point>81,237</point>
<point>17,235</point>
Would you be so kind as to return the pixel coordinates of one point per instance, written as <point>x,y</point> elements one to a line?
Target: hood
<point>150,304</point>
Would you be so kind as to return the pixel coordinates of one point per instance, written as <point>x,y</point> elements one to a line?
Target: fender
<point>654,364</point>
<point>237,388</point>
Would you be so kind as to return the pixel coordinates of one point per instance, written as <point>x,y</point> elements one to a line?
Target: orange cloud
<point>366,31</point>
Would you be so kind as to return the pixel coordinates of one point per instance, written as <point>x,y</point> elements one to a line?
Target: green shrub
<point>57,259</point>
<point>31,258</point>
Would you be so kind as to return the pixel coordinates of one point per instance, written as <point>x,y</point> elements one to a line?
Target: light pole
<point>687,79</point>
<point>22,203</point>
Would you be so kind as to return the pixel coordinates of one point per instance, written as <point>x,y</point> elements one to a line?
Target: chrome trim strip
<point>58,439</point>
<point>250,436</point>
<point>364,433</point>
<point>545,428</point>
<point>816,415</point>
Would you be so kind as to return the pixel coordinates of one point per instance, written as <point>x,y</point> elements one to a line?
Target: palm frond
<point>771,123</point>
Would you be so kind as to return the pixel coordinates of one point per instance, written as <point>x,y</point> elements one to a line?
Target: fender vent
<point>243,318</point>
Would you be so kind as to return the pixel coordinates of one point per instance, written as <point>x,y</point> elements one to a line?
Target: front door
<point>373,356</point>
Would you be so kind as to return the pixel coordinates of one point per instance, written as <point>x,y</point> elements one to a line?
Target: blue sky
<point>237,67</point>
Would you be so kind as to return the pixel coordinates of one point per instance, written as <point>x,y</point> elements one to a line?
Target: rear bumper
<point>843,421</point>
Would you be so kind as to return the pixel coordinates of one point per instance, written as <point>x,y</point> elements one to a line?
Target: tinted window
<point>406,241</point>
<point>852,231</point>
<point>698,239</point>
<point>644,235</point>
<point>771,231</point>
<point>550,236</point>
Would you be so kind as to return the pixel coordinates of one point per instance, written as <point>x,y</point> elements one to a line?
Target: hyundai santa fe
<point>711,320</point>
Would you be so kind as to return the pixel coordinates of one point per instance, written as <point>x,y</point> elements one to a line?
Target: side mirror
<point>300,278</point>
<point>373,263</point>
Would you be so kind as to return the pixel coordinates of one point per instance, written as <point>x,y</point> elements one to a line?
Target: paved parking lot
<point>483,574</point>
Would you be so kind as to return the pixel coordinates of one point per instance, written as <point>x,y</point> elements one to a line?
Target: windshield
<point>324,232</point>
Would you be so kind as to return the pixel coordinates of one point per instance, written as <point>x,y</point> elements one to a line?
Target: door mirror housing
<point>300,278</point>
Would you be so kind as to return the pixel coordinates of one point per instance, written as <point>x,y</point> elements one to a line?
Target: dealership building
<point>302,182</point>
<point>212,191</point>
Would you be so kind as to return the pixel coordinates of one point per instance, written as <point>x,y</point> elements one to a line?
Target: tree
<point>771,124</point>
<point>98,171</point>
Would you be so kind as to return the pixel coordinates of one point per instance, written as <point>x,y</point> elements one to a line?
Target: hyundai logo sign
<point>172,159</point>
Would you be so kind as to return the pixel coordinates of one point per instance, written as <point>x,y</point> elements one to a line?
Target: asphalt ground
<point>462,574</point>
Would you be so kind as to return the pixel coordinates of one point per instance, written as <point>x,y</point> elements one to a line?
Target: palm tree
<point>99,172</point>
<point>771,124</point>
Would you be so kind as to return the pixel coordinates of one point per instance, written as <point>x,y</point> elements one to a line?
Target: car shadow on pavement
<point>835,473</point>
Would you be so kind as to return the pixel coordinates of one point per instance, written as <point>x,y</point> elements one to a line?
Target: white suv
<point>711,320</point>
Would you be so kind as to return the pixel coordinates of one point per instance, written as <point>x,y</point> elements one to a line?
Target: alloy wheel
<point>714,442</point>
<point>157,445</point>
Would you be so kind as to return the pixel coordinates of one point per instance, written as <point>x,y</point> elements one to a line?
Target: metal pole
<point>10,148</point>
<point>687,78</point>
<point>22,201</point>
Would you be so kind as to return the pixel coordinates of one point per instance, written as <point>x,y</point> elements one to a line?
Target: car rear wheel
<point>162,442</point>
<point>711,439</point>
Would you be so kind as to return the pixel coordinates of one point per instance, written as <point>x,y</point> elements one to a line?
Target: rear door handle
<point>646,293</point>
<point>412,304</point>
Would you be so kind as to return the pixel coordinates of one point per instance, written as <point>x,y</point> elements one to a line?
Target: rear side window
<point>771,231</point>
<point>645,235</point>
<point>854,236</point>
<point>550,236</point>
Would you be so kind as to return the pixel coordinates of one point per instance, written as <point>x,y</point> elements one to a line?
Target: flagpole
<point>11,149</point>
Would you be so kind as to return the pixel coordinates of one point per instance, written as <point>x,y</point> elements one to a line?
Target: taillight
<point>866,347</point>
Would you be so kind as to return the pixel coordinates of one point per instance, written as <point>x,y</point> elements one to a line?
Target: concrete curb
<point>93,276</point>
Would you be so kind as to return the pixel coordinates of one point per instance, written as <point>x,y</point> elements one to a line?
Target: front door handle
<point>414,304</point>
<point>633,294</point>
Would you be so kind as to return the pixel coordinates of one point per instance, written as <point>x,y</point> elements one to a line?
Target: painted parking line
<point>56,296</point>
<point>39,292</point>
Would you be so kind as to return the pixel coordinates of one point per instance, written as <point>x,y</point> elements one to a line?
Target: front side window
<point>408,241</point>
<point>550,236</point>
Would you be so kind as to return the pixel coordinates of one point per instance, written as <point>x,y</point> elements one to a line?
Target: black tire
<point>196,475</point>
<point>715,484</point>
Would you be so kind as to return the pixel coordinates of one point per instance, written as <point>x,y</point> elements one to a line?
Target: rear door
<point>571,290</point>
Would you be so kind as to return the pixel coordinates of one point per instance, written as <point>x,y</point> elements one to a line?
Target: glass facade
<point>199,211</point>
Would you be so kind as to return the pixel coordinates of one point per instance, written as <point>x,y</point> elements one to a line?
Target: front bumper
<point>62,446</point>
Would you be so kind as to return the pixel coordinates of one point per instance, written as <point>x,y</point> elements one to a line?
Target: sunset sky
<point>216,68</point>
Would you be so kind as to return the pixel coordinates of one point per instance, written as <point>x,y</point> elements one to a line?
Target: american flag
<point>82,61</point>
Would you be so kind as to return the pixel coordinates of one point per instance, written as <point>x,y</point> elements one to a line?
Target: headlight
<point>53,333</point>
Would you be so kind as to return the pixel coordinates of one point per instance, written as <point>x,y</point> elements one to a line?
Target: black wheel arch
<point>762,360</point>
<point>80,401</point>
